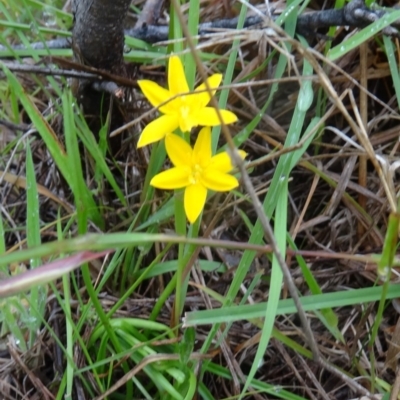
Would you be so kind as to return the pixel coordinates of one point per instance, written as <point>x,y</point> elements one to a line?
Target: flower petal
<point>202,148</point>
<point>179,151</point>
<point>174,178</point>
<point>222,162</point>
<point>194,200</point>
<point>157,129</point>
<point>155,94</point>
<point>242,154</point>
<point>203,98</point>
<point>208,116</point>
<point>218,181</point>
<point>177,82</point>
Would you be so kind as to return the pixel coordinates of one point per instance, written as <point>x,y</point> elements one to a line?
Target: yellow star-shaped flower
<point>196,170</point>
<point>185,110</point>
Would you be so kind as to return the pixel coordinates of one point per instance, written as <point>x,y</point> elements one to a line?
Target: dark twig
<point>355,14</point>
<point>14,127</point>
<point>150,13</point>
<point>35,69</point>
<point>62,43</point>
<point>108,87</point>
<point>99,83</point>
<point>69,64</point>
<point>159,33</point>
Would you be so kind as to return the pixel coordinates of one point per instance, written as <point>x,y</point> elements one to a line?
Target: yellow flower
<point>196,171</point>
<point>185,111</point>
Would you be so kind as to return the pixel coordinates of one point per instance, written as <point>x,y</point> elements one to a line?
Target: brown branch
<point>50,71</point>
<point>150,13</point>
<point>355,14</point>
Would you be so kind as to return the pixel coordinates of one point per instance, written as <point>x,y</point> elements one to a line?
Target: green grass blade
<point>83,197</point>
<point>363,35</point>
<point>310,303</point>
<point>228,76</point>
<point>276,284</point>
<point>37,296</point>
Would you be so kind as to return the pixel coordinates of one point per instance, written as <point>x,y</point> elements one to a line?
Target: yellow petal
<point>218,181</point>
<point>179,151</point>
<point>174,178</point>
<point>207,116</point>
<point>242,154</point>
<point>203,98</point>
<point>194,200</point>
<point>157,129</point>
<point>222,162</point>
<point>177,82</point>
<point>202,148</point>
<point>155,94</point>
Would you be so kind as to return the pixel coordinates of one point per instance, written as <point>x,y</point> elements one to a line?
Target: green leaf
<point>363,35</point>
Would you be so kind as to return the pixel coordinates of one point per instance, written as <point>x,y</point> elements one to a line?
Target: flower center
<point>184,111</point>
<point>196,174</point>
<point>184,115</point>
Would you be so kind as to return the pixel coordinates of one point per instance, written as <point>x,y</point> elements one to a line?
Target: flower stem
<point>180,228</point>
